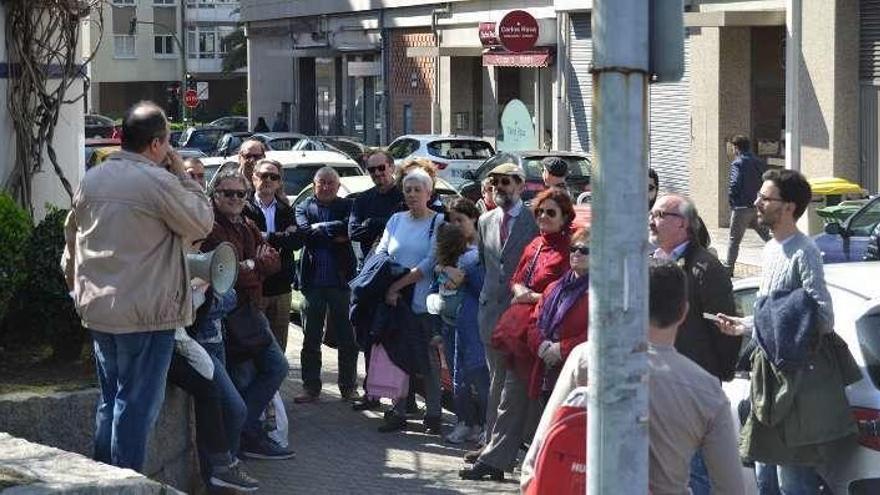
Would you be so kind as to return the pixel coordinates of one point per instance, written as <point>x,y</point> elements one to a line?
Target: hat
<point>555,166</point>
<point>508,169</point>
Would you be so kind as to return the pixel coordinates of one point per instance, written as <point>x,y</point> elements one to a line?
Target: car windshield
<point>460,149</point>
<point>282,144</point>
<point>204,138</point>
<point>864,221</point>
<point>298,177</point>
<point>577,167</point>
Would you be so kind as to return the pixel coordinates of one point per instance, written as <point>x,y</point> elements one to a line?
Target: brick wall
<point>411,80</point>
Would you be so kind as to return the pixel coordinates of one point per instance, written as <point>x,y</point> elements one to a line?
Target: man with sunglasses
<point>249,153</point>
<point>272,214</point>
<point>504,234</point>
<point>673,224</point>
<point>127,233</point>
<point>370,212</point>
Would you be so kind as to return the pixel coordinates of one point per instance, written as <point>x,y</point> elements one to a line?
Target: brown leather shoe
<point>471,456</point>
<point>305,398</point>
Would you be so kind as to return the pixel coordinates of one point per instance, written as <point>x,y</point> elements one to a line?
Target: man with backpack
<point>688,411</point>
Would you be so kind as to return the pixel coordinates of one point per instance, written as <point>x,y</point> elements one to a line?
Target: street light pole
<point>617,438</point>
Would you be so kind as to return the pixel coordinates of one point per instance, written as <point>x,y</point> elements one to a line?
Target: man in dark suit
<point>504,233</point>
<point>271,212</point>
<point>326,266</point>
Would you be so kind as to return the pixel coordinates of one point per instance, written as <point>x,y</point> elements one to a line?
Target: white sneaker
<point>459,434</point>
<point>476,434</point>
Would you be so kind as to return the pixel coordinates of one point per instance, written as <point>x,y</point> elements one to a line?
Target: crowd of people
<point>498,289</point>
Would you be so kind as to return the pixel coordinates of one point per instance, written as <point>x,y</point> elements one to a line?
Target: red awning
<point>540,57</point>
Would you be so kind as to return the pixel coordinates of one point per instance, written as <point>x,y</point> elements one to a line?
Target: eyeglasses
<point>253,156</point>
<point>232,193</point>
<point>269,176</point>
<point>660,214</point>
<point>501,181</point>
<point>377,168</point>
<point>584,250</point>
<point>766,199</point>
<point>550,212</point>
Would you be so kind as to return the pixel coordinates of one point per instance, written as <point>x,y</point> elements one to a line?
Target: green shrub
<point>15,228</point>
<point>42,312</point>
<point>239,108</point>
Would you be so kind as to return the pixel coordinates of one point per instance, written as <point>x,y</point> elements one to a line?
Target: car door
<point>859,228</point>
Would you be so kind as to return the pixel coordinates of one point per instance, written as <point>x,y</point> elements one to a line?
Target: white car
<point>299,167</point>
<point>855,295</point>
<point>452,155</point>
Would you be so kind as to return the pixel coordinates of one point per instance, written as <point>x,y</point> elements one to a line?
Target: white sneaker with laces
<point>459,434</point>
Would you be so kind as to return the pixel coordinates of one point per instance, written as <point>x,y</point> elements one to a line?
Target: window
<point>123,2</point>
<point>123,46</point>
<point>459,149</point>
<point>207,41</point>
<point>403,148</point>
<point>160,3</point>
<point>407,118</point>
<point>163,44</point>
<point>863,221</point>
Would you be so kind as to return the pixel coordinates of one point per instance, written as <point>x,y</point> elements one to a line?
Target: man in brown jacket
<point>131,221</point>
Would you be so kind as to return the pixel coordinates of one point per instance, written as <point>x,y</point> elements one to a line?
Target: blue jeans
<point>257,380</point>
<point>786,480</point>
<point>132,369</point>
<point>234,408</point>
<point>699,482</point>
<point>469,408</point>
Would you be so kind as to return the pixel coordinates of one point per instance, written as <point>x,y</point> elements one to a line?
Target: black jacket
<point>369,214</point>
<point>284,242</point>
<point>745,180</point>
<point>321,237</point>
<point>368,293</point>
<point>709,291</point>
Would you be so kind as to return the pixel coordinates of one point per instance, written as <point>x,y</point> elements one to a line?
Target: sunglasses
<point>257,156</point>
<point>269,176</point>
<point>377,168</point>
<point>550,212</point>
<point>662,214</point>
<point>584,250</point>
<point>501,181</point>
<point>232,193</point>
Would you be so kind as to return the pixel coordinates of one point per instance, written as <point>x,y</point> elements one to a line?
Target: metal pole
<point>617,439</point>
<point>793,13</point>
<point>182,48</point>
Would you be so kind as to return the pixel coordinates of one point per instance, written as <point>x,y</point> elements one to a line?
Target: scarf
<point>561,298</point>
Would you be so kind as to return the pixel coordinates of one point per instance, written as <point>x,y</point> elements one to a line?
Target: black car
<point>98,126</point>
<point>578,181</point>
<point>230,142</point>
<point>204,138</point>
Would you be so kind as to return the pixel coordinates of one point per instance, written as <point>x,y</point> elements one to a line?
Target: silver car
<point>855,295</point>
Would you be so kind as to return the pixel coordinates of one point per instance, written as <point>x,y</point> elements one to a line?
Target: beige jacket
<point>127,234</point>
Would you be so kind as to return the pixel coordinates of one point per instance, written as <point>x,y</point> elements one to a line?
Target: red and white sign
<point>191,98</point>
<point>488,36</point>
<point>518,31</point>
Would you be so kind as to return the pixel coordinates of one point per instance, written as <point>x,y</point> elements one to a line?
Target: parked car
<point>578,181</point>
<point>857,320</point>
<point>236,123</point>
<point>230,142</point>
<point>279,141</point>
<point>452,155</point>
<point>99,126</point>
<point>190,153</point>
<point>348,146</point>
<point>204,138</point>
<point>96,150</point>
<point>847,242</point>
<point>174,138</point>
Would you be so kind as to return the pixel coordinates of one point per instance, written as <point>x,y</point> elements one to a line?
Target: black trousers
<point>210,433</point>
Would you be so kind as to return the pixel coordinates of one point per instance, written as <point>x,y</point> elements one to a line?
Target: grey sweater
<point>797,263</point>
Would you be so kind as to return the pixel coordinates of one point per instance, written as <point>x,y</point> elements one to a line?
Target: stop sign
<point>191,98</point>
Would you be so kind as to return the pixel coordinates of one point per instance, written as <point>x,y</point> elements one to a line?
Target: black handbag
<point>247,332</point>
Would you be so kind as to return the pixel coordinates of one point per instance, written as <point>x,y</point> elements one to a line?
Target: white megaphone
<point>218,267</point>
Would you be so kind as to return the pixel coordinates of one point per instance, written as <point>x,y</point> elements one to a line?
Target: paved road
<point>340,451</point>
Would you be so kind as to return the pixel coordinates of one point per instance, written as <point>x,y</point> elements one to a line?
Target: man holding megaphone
<point>255,361</point>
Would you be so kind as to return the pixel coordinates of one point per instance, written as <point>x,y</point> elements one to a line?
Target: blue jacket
<point>467,330</point>
<point>206,328</point>
<point>368,289</point>
<point>321,237</point>
<point>745,180</point>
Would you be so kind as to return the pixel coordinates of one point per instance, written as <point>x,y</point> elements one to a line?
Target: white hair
<point>420,176</point>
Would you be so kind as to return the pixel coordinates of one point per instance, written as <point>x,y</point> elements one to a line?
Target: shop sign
<point>364,69</point>
<point>488,35</point>
<point>518,31</point>
<point>517,130</point>
<point>542,58</point>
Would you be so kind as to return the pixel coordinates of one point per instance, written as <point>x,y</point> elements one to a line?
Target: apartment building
<point>151,48</point>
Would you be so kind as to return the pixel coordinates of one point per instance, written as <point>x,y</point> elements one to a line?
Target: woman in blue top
<point>409,240</point>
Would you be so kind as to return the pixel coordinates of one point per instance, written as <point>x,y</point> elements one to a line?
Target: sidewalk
<point>748,263</point>
<point>340,451</point>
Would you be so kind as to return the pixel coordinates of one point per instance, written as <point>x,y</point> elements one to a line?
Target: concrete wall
<point>67,421</point>
<point>270,74</point>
